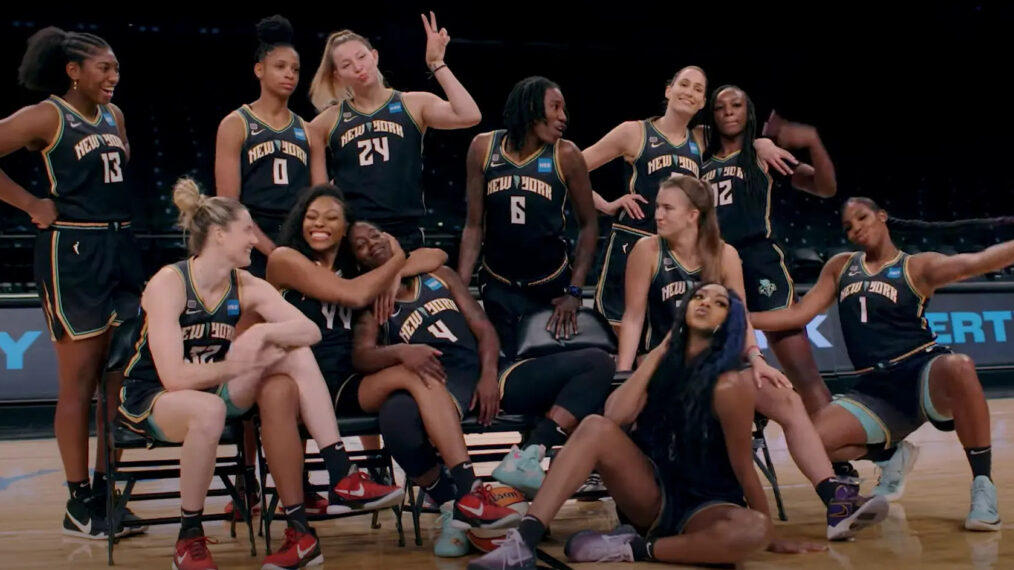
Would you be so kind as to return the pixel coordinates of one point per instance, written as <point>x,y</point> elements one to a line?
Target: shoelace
<point>291,539</point>
<point>980,499</point>
<point>512,545</point>
<point>613,549</point>
<point>198,547</point>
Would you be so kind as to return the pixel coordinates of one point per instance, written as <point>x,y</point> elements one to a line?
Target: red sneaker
<point>192,553</point>
<point>358,492</point>
<point>314,503</point>
<point>478,509</point>
<point>299,549</point>
<point>237,515</point>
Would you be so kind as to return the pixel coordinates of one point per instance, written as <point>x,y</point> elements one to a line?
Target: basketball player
<point>191,371</point>
<point>906,378</point>
<point>375,133</point>
<point>519,180</point>
<point>661,269</point>
<point>742,188</point>
<point>653,150</point>
<point>683,480</point>
<point>263,155</point>
<point>87,265</point>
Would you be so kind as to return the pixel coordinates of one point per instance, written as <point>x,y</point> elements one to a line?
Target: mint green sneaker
<point>452,542</point>
<point>984,514</point>
<point>891,484</point>
<point>522,469</point>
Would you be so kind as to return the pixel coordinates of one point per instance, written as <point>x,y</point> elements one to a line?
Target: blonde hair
<point>325,89</point>
<point>199,212</point>
<point>709,238</point>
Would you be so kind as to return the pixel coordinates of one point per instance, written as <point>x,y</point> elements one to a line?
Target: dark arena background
<point>909,102</point>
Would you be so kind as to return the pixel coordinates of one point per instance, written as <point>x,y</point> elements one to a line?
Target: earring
<point>75,85</point>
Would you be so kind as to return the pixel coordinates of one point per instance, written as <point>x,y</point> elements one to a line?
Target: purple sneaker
<point>594,546</point>
<point>849,512</point>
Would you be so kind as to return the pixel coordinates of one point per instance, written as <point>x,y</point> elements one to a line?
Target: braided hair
<point>752,172</point>
<point>44,65</point>
<point>526,105</point>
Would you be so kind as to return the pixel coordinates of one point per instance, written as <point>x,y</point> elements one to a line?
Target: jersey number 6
<point>517,209</point>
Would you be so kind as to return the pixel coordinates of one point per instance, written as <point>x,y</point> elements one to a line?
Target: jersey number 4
<point>440,330</point>
<point>344,313</point>
<point>370,146</point>
<point>112,171</point>
<point>723,192</point>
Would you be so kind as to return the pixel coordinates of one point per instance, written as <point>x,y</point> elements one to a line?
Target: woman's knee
<point>279,391</point>
<point>959,370</point>
<point>754,529</point>
<point>595,426</point>
<point>207,418</point>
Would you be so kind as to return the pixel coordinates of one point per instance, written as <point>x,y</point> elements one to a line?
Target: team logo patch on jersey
<point>517,181</point>
<point>255,129</point>
<point>394,107</point>
<point>70,121</point>
<point>347,116</point>
<point>894,272</point>
<point>667,262</point>
<point>109,118</point>
<point>545,165</point>
<point>299,133</point>
<point>191,304</point>
<point>854,270</point>
<point>767,288</point>
<point>694,149</point>
<point>433,283</point>
<point>232,307</point>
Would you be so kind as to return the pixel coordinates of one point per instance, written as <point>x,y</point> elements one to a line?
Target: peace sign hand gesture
<point>436,41</point>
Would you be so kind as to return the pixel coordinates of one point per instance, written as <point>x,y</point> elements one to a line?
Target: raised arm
<point>640,271</point>
<point>424,260</point>
<point>163,301</point>
<point>733,402</point>
<point>817,179</point>
<point>471,237</point>
<point>618,142</point>
<point>626,402</point>
<point>816,300</point>
<point>33,127</point>
<point>290,269</point>
<point>228,147</point>
<point>932,270</point>
<point>460,109</point>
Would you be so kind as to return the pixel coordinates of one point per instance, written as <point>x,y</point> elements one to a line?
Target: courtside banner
<point>977,323</point>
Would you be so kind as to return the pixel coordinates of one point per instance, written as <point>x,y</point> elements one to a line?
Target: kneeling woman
<point>189,373</point>
<point>683,477</point>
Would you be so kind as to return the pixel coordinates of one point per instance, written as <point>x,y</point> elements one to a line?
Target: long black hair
<point>291,234</point>
<point>274,31</point>
<point>44,65</point>
<point>525,106</point>
<point>677,421</point>
<point>924,225</point>
<point>752,173</point>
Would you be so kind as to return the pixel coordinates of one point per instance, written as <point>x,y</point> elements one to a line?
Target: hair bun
<point>274,30</point>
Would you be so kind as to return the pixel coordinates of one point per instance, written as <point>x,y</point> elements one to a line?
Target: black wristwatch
<point>574,291</point>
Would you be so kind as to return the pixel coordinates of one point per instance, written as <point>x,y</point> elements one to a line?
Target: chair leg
<point>110,474</point>
<point>416,503</point>
<point>268,515</point>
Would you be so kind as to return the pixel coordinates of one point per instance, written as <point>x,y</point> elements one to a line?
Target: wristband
<point>434,71</point>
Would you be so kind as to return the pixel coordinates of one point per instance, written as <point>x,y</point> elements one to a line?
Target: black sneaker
<point>127,517</point>
<point>81,521</point>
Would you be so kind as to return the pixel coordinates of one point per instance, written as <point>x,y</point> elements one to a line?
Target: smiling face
<point>96,76</point>
<point>236,239</point>
<point>707,309</point>
<point>370,246</point>
<point>686,92</point>
<point>550,129</point>
<point>324,224</point>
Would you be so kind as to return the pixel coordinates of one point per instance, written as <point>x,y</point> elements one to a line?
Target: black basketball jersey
<point>334,351</point>
<point>434,319</point>
<point>744,213</point>
<point>376,159</point>
<point>657,160</point>
<point>274,165</point>
<point>525,220</point>
<point>668,286</point>
<point>86,165</point>
<point>208,326</point>
<point>882,315</point>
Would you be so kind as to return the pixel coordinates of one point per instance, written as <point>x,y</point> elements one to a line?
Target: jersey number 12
<point>723,192</point>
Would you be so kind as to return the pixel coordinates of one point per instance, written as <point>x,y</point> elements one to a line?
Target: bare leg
<point>562,418</point>
<point>80,363</point>
<point>723,534</point>
<point>785,407</point>
<point>196,419</point>
<point>792,348</point>
<point>955,391</point>
<point>843,436</point>
<point>315,405</point>
<point>278,402</point>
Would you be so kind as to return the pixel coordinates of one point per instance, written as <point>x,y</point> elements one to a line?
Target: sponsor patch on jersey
<point>300,134</point>
<point>694,149</point>
<point>394,107</point>
<point>232,307</point>
<point>109,118</point>
<point>667,262</point>
<point>853,270</point>
<point>545,165</point>
<point>767,288</point>
<point>433,283</point>
<point>894,272</point>
<point>191,304</point>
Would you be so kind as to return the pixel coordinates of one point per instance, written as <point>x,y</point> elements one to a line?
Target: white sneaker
<point>892,473</point>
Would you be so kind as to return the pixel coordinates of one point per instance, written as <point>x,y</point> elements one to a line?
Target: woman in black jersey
<point>519,181</point>
<point>683,478</point>
<point>661,269</point>
<point>192,369</point>
<point>263,152</point>
<point>375,133</point>
<point>905,378</point>
<point>87,266</point>
<point>742,188</point>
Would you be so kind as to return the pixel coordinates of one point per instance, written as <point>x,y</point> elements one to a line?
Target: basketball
<point>504,496</point>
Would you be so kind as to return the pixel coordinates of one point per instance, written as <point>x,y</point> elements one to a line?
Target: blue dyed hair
<point>677,416</point>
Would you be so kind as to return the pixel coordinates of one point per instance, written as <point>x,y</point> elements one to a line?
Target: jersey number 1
<point>862,309</point>
<point>111,164</point>
<point>369,146</point>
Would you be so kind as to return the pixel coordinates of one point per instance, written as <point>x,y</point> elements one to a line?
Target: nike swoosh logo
<point>74,125</point>
<point>301,552</point>
<point>656,144</point>
<point>625,248</point>
<point>669,269</point>
<point>193,311</point>
<point>85,528</point>
<point>360,492</point>
<point>495,164</point>
<point>478,513</point>
<point>979,452</point>
<point>181,559</point>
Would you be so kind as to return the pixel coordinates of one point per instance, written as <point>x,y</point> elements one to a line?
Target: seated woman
<point>683,478</point>
<point>660,269</point>
<point>191,371</point>
<point>307,267</point>
<point>905,377</point>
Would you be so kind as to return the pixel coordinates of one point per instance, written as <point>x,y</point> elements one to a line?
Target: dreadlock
<point>43,67</point>
<point>272,32</point>
<point>526,105</point>
<point>752,173</point>
<point>677,416</point>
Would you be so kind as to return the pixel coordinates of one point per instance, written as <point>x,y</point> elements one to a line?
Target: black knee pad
<point>405,436</point>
